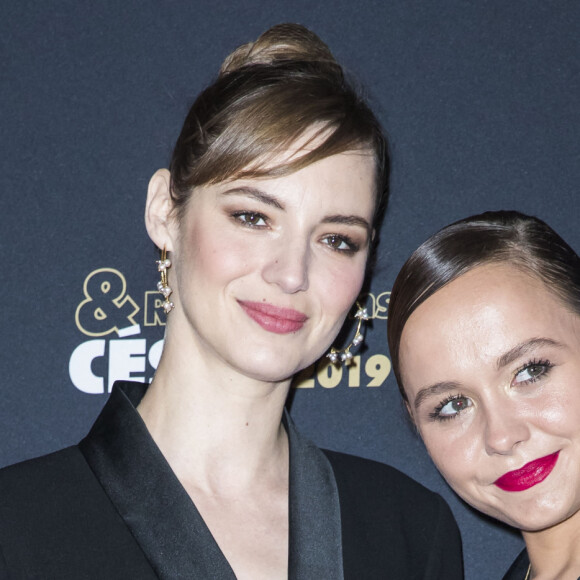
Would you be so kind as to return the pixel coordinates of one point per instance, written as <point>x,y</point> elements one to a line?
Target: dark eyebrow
<point>256,194</point>
<point>504,360</point>
<point>435,389</point>
<point>523,348</point>
<point>349,220</point>
<point>260,195</point>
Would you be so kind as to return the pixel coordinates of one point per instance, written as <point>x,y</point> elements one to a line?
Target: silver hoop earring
<point>345,356</point>
<point>162,266</point>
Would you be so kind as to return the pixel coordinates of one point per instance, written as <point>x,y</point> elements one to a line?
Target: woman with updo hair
<point>265,222</point>
<point>484,336</point>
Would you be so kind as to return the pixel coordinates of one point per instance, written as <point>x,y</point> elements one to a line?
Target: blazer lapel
<point>148,495</point>
<point>315,549</point>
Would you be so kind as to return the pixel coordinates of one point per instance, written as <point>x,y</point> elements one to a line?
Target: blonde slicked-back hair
<point>282,92</point>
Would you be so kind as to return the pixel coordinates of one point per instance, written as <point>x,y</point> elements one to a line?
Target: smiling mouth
<point>529,475</point>
<point>274,319</point>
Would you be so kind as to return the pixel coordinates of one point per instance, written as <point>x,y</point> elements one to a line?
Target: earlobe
<point>158,214</point>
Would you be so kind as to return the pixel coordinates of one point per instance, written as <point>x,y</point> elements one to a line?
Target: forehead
<point>337,187</point>
<point>479,316</point>
<point>339,177</point>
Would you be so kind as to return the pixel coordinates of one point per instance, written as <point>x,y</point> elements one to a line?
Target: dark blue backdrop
<point>481,103</point>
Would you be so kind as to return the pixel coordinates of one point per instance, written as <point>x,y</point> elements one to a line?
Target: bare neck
<point>555,552</point>
<point>218,430</point>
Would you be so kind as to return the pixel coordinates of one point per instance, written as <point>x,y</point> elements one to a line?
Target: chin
<point>269,375</point>
<point>547,518</point>
<point>267,366</point>
<point>276,362</point>
<point>537,522</point>
<point>533,516</point>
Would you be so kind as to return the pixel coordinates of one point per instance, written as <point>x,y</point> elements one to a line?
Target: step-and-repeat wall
<point>481,103</point>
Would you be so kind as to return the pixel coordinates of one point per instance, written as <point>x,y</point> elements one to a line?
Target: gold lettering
<point>378,368</point>
<point>382,305</point>
<point>100,313</point>
<point>329,375</point>
<point>153,306</point>
<point>354,372</point>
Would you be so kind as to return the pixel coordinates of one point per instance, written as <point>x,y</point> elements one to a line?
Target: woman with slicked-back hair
<point>484,334</point>
<point>265,222</point>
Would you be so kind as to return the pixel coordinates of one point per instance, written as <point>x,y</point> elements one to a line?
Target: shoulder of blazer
<point>57,522</point>
<point>379,482</point>
<point>391,522</point>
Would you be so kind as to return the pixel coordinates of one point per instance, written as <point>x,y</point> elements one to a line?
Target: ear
<point>159,220</point>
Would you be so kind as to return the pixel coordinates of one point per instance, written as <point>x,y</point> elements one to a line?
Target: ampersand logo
<point>107,307</point>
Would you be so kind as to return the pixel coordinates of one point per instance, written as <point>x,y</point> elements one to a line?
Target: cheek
<point>559,411</point>
<point>339,276</point>
<point>339,287</point>
<point>210,257</point>
<point>454,457</point>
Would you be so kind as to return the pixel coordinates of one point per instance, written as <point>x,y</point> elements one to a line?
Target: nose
<point>288,266</point>
<point>505,428</point>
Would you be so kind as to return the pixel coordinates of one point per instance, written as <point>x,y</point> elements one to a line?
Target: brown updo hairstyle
<point>269,94</point>
<point>525,242</point>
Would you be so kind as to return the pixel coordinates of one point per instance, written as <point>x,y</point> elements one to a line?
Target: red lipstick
<point>274,319</point>
<point>529,475</point>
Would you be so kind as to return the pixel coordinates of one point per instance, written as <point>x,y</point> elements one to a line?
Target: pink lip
<point>274,319</point>
<point>529,475</point>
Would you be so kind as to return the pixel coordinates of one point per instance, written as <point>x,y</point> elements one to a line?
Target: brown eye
<point>335,242</point>
<point>340,243</point>
<point>250,219</point>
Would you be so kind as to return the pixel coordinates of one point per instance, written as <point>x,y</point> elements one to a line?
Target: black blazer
<point>111,508</point>
<point>519,569</point>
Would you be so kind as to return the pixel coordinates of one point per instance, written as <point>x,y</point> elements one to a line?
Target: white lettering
<point>79,367</point>
<point>125,358</point>
<point>155,353</point>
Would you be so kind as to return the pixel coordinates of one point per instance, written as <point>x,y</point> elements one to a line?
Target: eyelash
<point>436,414</point>
<point>238,215</point>
<point>241,218</point>
<point>546,364</point>
<point>353,247</point>
<point>534,363</point>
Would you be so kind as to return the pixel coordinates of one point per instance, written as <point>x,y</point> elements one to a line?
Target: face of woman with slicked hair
<point>490,364</point>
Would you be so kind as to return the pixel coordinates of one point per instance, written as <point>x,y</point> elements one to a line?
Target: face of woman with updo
<point>490,365</point>
<point>269,208</point>
<point>265,271</point>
